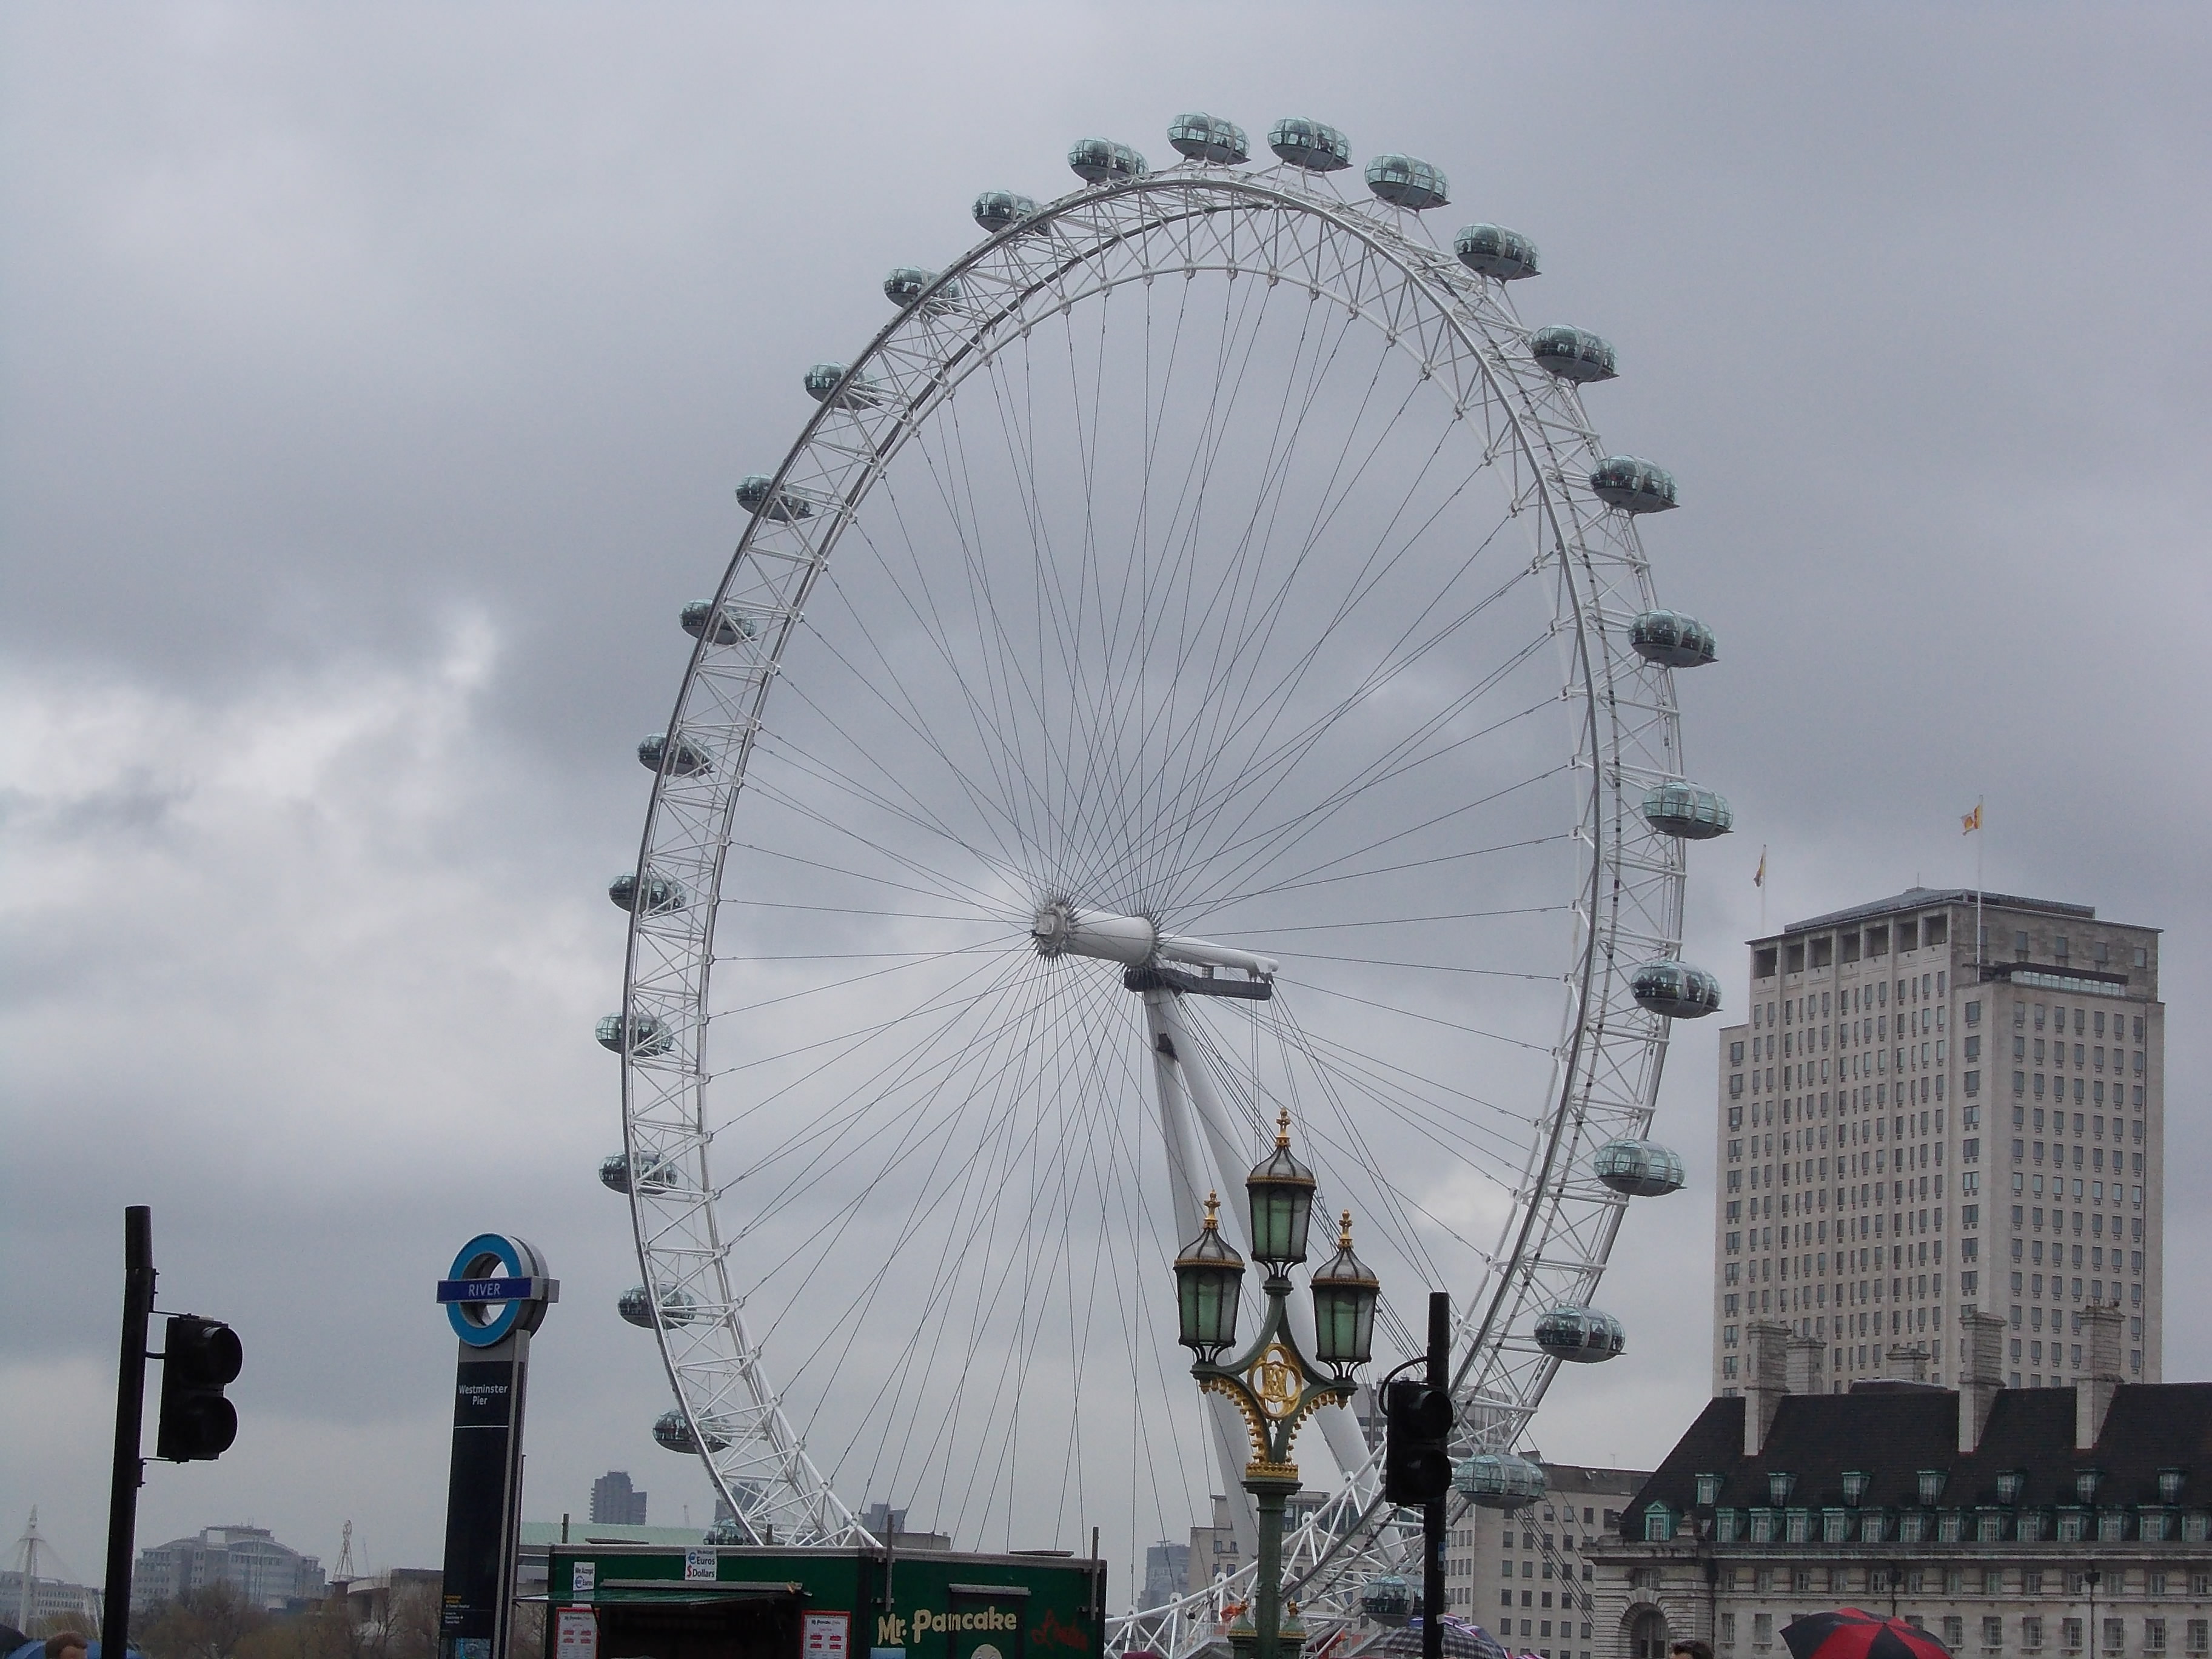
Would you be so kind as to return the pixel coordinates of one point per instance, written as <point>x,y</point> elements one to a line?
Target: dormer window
<point>2085,1484</point>
<point>2008,1486</point>
<point>1709,1491</point>
<point>1779,1485</point>
<point>1856,1482</point>
<point>1931,1485</point>
<point>2170,1483</point>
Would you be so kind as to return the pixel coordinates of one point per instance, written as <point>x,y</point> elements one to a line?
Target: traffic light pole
<point>130,1470</point>
<point>1432,1514</point>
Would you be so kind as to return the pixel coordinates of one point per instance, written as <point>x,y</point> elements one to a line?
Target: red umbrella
<point>1853,1633</point>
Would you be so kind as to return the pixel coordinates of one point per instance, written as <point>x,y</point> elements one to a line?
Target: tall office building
<point>1918,1122</point>
<point>615,1502</point>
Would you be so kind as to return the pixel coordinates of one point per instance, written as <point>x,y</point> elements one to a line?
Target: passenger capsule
<point>1208,138</point>
<point>756,494</point>
<point>1631,485</point>
<point>615,1175</point>
<point>1387,1599</point>
<point>1573,354</point>
<point>823,383</point>
<point>1000,209</point>
<point>1675,989</point>
<point>1672,640</point>
<point>684,756</point>
<point>1687,813</point>
<point>661,895</point>
<point>728,1531</point>
<point>1499,1481</point>
<point>1582,1335</point>
<point>649,1034</point>
<point>729,626</point>
<point>907,284</point>
<point>1404,182</point>
<point>1101,160</point>
<point>1642,1169</point>
<point>636,1307</point>
<point>1494,250</point>
<point>672,1431</point>
<point>1310,144</point>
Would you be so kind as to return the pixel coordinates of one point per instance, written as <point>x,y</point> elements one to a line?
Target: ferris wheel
<point>1195,663</point>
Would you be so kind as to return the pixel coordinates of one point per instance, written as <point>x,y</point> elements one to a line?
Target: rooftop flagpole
<point>1971,825</point>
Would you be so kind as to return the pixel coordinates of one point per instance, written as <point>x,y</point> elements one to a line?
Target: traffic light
<point>1417,1425</point>
<point>200,1359</point>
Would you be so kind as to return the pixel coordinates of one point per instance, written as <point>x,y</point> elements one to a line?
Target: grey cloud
<point>330,329</point>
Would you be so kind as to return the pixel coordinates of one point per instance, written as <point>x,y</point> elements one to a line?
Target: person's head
<point>1690,1649</point>
<point>59,1646</point>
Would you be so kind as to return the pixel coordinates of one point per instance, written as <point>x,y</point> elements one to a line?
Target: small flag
<point>1972,821</point>
<point>1759,875</point>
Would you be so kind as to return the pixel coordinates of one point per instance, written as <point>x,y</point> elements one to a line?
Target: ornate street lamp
<point>1344,1296</point>
<point>1280,1191</point>
<point>1274,1385</point>
<point>1208,1276</point>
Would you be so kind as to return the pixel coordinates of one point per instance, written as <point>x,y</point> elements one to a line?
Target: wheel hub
<point>1136,942</point>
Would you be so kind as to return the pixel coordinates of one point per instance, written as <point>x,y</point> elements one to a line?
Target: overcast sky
<point>375,379</point>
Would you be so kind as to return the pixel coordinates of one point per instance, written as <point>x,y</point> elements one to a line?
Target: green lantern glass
<point>1208,1276</point>
<point>1281,1193</point>
<point>1344,1296</point>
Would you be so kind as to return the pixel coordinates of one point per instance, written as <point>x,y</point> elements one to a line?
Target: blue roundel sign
<point>497,1286</point>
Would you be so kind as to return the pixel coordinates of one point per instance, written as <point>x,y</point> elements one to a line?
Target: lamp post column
<point>1269,1497</point>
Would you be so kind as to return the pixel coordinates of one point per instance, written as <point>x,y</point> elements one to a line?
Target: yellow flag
<point>1972,821</point>
<point>1759,875</point>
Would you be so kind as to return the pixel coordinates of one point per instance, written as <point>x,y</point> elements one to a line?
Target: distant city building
<point>1525,1574</point>
<point>2026,1523</point>
<point>50,1599</point>
<point>1919,1122</point>
<point>34,1600</point>
<point>615,1502</point>
<point>269,1575</point>
<point>1216,1551</point>
<point>888,1525</point>
<point>1167,1571</point>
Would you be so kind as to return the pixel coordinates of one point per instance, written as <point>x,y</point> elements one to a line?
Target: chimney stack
<point>1980,1377</point>
<point>1765,1380</point>
<point>1802,1365</point>
<point>1908,1364</point>
<point>2092,1393</point>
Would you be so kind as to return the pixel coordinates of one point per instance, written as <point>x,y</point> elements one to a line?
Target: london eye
<point>1197,662</point>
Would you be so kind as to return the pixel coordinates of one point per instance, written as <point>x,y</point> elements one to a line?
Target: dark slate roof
<point>1923,898</point>
<point>1893,1430</point>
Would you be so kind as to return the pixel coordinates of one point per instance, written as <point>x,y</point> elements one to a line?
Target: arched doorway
<point>1647,1635</point>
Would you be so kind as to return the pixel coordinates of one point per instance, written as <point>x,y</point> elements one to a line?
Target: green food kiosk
<point>718,1601</point>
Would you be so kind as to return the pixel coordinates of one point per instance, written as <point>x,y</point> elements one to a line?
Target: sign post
<point>496,1295</point>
